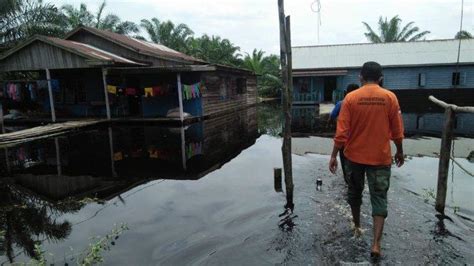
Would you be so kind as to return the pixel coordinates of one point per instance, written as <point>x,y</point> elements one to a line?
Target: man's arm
<point>342,134</point>
<point>397,130</point>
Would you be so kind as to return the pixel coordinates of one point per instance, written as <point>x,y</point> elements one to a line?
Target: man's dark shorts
<point>378,178</point>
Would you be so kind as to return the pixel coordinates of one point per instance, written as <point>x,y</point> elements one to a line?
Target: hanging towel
<point>118,156</point>
<point>32,90</point>
<point>130,91</point>
<point>149,92</point>
<point>112,89</point>
<point>156,90</point>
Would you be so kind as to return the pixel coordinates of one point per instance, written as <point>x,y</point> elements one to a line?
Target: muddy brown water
<point>205,194</point>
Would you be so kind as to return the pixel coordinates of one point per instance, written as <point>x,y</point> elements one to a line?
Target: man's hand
<point>399,159</point>
<point>333,165</point>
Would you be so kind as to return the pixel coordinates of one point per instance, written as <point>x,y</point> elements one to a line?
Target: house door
<point>330,84</point>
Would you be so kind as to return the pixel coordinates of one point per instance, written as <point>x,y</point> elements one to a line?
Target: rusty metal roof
<point>140,46</point>
<point>93,55</point>
<point>91,51</point>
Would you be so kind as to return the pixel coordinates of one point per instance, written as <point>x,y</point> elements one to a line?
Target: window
<point>458,78</point>
<point>241,86</point>
<point>421,79</point>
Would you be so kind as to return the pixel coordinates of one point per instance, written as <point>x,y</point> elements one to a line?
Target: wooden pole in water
<point>285,60</point>
<point>51,98</point>
<point>277,179</point>
<point>106,93</point>
<point>444,156</point>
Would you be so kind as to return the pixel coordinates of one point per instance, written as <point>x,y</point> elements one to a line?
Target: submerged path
<point>412,232</point>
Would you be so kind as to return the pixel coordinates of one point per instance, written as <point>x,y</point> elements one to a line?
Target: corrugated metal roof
<point>435,52</point>
<point>91,51</point>
<point>140,46</point>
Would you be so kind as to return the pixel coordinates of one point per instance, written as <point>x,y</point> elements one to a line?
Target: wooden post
<point>285,60</point>
<point>58,157</point>
<point>444,157</point>
<point>180,97</point>
<point>1,119</point>
<point>106,93</point>
<point>51,98</point>
<point>277,179</point>
<point>111,147</point>
<point>183,148</point>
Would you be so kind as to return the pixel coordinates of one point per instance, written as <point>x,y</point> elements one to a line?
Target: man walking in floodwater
<point>370,117</point>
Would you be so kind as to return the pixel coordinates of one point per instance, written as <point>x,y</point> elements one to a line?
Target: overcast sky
<point>254,23</point>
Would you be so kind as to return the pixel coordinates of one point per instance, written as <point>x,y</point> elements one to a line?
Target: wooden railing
<point>445,150</point>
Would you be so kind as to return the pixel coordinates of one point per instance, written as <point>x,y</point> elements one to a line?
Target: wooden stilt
<point>111,147</point>
<point>2,124</point>
<point>277,179</point>
<point>51,98</point>
<point>180,97</point>
<point>183,147</point>
<point>58,157</point>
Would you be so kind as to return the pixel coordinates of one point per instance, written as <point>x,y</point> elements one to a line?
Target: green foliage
<point>74,17</point>
<point>20,19</point>
<point>93,255</point>
<point>429,195</point>
<point>176,37</point>
<point>392,31</point>
<point>463,35</point>
<point>215,50</point>
<point>268,70</point>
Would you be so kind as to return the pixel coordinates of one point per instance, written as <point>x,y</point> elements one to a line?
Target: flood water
<point>205,194</point>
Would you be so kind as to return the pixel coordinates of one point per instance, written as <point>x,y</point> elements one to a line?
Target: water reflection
<point>307,120</point>
<point>42,180</point>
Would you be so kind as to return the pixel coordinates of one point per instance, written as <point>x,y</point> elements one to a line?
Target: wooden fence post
<point>444,157</point>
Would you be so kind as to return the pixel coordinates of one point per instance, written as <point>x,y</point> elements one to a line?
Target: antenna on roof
<point>316,8</point>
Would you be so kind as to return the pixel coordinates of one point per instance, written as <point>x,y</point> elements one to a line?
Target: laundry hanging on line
<point>191,91</point>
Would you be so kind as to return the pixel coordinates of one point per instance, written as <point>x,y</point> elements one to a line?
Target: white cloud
<point>254,23</point>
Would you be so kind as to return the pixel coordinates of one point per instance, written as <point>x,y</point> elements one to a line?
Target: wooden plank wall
<point>40,55</point>
<point>220,93</point>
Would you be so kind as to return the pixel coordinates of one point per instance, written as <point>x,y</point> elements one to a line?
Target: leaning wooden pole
<point>285,59</point>
<point>444,156</point>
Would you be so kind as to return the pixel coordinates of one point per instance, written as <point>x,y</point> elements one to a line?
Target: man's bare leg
<point>378,230</point>
<point>356,220</point>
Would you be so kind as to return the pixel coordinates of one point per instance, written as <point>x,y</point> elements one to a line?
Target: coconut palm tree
<point>75,17</point>
<point>463,35</point>
<point>176,37</point>
<point>20,19</point>
<point>392,31</point>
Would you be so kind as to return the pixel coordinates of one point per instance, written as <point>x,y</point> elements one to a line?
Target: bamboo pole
<point>444,156</point>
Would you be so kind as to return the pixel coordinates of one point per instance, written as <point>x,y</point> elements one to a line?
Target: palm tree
<point>176,37</point>
<point>215,50</point>
<point>392,31</point>
<point>463,35</point>
<point>82,16</point>
<point>20,19</point>
<point>268,70</point>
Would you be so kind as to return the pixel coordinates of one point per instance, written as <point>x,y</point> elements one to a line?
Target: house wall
<point>109,46</point>
<point>221,93</point>
<point>437,77</point>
